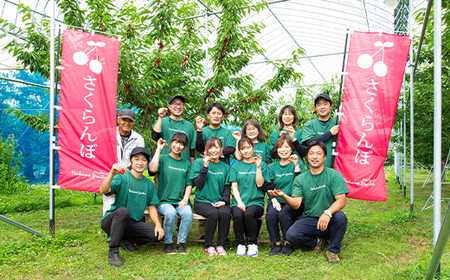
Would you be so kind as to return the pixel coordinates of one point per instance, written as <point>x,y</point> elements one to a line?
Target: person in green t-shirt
<point>288,120</point>
<point>323,191</point>
<point>123,222</point>
<point>247,178</point>
<point>323,128</point>
<point>174,188</point>
<point>212,195</point>
<point>282,172</point>
<point>216,114</point>
<point>253,130</point>
<point>166,127</point>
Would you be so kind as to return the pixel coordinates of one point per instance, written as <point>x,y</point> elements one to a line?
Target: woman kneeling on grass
<point>174,188</point>
<point>247,178</point>
<point>282,172</point>
<point>212,196</point>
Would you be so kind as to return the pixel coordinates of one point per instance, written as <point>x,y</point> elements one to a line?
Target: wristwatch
<point>328,213</point>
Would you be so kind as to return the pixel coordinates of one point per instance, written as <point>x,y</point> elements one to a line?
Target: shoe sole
<point>171,253</point>
<point>240,255</point>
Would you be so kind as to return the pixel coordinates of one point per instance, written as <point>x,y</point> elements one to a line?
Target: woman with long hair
<point>212,195</point>
<point>173,188</point>
<point>247,178</point>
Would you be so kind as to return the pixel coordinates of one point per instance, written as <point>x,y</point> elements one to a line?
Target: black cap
<point>140,150</point>
<point>176,96</point>
<point>324,96</point>
<point>127,113</point>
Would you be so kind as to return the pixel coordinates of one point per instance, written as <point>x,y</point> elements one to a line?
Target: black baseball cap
<point>324,96</point>
<point>127,113</point>
<point>140,150</point>
<point>176,96</point>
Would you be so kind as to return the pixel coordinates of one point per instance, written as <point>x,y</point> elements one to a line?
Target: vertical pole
<point>52,122</point>
<point>207,51</point>
<point>411,94</point>
<point>437,119</point>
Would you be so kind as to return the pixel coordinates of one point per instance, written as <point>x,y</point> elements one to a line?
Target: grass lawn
<point>383,241</point>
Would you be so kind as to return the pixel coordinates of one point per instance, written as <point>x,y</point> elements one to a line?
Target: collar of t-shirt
<point>125,139</point>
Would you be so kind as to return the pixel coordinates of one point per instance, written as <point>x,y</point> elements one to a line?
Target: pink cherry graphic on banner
<point>80,58</point>
<point>365,61</point>
<point>95,66</point>
<point>380,69</point>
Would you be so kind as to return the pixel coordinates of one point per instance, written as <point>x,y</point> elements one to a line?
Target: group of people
<point>305,201</point>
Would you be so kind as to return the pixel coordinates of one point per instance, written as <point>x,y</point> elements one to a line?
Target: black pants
<point>286,216</point>
<point>246,221</point>
<point>118,226</point>
<point>214,216</point>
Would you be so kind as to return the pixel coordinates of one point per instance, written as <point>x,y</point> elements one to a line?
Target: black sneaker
<point>128,246</point>
<point>287,250</point>
<point>168,248</point>
<point>181,248</point>
<point>276,249</point>
<point>114,258</point>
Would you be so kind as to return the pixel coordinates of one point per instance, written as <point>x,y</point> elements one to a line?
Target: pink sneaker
<point>221,251</point>
<point>211,251</point>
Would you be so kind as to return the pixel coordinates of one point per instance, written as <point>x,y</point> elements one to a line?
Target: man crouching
<point>124,221</point>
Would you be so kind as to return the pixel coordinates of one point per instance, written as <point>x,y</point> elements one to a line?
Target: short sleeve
<point>116,183</point>
<point>233,173</point>
<point>195,169</point>
<point>308,132</point>
<point>189,181</point>
<point>297,190</point>
<point>152,198</point>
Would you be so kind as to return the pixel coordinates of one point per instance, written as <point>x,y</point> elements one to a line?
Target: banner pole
<point>335,138</point>
<point>52,121</point>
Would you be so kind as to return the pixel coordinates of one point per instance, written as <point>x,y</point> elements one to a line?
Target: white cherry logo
<point>366,60</point>
<point>81,58</point>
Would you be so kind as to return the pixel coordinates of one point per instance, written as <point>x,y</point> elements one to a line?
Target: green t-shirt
<point>173,179</point>
<point>133,194</point>
<point>263,149</point>
<point>169,127</point>
<point>216,179</point>
<point>318,191</point>
<point>315,128</point>
<point>225,135</point>
<point>245,175</point>
<point>298,134</point>
<point>283,176</point>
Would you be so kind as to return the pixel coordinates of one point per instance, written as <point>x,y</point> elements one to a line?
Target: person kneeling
<point>324,192</point>
<point>124,221</point>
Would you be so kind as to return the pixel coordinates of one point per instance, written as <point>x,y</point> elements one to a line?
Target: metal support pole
<point>52,122</point>
<point>437,119</point>
<point>411,104</point>
<point>207,52</point>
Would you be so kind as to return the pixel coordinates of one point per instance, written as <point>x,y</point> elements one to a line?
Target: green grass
<point>383,241</point>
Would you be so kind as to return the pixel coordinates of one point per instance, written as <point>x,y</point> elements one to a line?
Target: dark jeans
<point>286,216</point>
<point>214,216</point>
<point>305,232</point>
<point>118,226</point>
<point>246,221</point>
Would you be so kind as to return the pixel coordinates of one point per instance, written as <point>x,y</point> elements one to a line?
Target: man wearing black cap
<point>166,127</point>
<point>323,127</point>
<point>126,140</point>
<point>134,192</point>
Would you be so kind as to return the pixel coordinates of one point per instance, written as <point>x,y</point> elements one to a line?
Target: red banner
<point>376,65</point>
<point>87,120</point>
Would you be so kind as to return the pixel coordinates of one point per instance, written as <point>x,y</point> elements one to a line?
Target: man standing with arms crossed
<point>322,128</point>
<point>323,191</point>
<point>166,127</point>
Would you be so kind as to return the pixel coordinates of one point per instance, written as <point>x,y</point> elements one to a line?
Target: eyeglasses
<point>179,104</point>
<point>251,129</point>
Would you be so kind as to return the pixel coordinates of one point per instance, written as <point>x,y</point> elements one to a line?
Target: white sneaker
<point>252,250</point>
<point>240,250</point>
